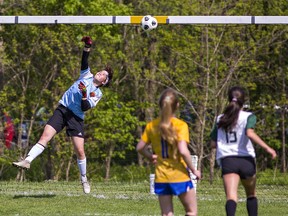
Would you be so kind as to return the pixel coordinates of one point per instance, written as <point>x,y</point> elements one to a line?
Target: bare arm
<point>184,152</point>
<point>143,149</point>
<point>213,144</point>
<point>256,139</point>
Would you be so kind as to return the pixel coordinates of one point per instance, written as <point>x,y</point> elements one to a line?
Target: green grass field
<point>112,198</point>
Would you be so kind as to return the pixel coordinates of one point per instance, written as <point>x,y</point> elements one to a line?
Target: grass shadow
<point>34,196</point>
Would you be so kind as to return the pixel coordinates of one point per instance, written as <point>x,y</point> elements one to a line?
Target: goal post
<point>137,19</point>
<point>194,159</point>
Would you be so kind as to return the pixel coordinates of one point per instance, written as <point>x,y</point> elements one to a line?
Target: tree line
<point>39,62</point>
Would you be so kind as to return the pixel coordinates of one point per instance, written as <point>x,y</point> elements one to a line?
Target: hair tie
<point>234,99</point>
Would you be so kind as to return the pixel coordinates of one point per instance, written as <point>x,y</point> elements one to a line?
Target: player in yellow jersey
<point>169,137</point>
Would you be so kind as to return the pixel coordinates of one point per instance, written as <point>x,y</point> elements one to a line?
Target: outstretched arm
<point>88,43</point>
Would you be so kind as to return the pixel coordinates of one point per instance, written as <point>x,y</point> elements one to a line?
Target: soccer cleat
<point>86,187</point>
<point>24,164</point>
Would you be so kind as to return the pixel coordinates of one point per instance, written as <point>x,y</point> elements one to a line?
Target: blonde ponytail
<point>168,105</point>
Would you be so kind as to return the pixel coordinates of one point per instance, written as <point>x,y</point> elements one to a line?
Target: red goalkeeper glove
<point>83,89</point>
<point>87,40</point>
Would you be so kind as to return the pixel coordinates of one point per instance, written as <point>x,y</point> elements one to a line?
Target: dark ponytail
<point>236,98</point>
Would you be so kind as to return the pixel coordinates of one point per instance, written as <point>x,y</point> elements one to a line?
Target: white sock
<point>35,151</point>
<point>82,168</point>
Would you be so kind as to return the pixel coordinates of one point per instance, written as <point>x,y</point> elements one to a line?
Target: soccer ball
<point>149,23</point>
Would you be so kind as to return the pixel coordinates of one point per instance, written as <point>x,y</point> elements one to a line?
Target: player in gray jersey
<point>82,95</point>
<point>232,136</point>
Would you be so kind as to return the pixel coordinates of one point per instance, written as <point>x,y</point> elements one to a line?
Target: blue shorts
<point>172,188</point>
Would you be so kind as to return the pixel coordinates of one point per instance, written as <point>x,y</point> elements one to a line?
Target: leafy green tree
<point>39,62</point>
<point>111,130</point>
<point>42,61</point>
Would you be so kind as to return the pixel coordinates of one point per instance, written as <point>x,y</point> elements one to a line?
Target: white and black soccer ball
<point>149,23</point>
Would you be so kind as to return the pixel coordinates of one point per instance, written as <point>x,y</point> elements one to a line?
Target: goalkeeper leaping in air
<point>83,95</point>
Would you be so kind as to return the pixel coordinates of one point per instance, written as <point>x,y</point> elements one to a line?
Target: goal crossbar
<point>137,19</point>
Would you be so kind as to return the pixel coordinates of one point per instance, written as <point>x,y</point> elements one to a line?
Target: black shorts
<point>245,167</point>
<point>63,117</point>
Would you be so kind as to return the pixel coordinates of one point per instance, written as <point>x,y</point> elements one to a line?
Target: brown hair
<point>236,98</point>
<point>168,103</point>
<point>110,74</point>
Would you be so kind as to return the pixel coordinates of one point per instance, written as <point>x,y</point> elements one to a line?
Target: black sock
<point>230,207</point>
<point>252,206</point>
